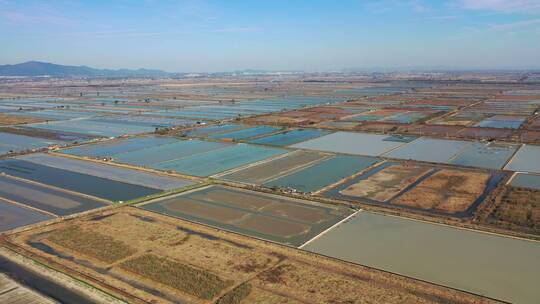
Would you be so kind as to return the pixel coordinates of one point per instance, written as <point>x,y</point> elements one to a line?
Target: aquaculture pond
<point>168,152</point>
<point>279,219</point>
<point>16,143</point>
<point>526,159</point>
<point>265,171</point>
<point>45,198</point>
<point>323,173</point>
<point>38,282</point>
<point>109,148</point>
<point>484,155</point>
<point>13,216</point>
<point>495,266</point>
<point>291,137</point>
<point>429,150</point>
<point>120,174</point>
<point>82,183</point>
<point>206,164</point>
<point>524,180</point>
<point>245,133</point>
<point>213,129</point>
<point>93,127</point>
<point>352,143</point>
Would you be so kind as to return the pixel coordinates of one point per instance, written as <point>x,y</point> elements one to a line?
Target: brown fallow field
<point>6,119</point>
<point>387,183</point>
<point>447,190</point>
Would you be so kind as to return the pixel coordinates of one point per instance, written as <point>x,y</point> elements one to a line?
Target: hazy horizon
<point>214,36</point>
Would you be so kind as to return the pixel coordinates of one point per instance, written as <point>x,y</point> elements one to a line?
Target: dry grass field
<point>145,257</point>
<point>6,119</point>
<point>447,190</point>
<point>518,208</point>
<point>386,183</point>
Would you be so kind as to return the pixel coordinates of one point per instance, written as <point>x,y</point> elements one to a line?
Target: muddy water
<point>41,284</point>
<point>498,267</point>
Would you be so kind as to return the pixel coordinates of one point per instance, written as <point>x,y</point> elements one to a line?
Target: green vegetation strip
<point>236,295</point>
<point>95,245</point>
<point>196,282</point>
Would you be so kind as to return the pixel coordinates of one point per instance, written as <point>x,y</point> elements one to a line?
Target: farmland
<point>335,188</point>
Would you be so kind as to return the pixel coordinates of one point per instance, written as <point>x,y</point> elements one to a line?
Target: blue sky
<point>199,35</point>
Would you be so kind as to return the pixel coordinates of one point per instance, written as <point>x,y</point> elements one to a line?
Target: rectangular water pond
<point>10,143</point>
<point>168,152</point>
<point>73,181</point>
<point>213,129</point>
<point>290,137</point>
<point>322,174</point>
<point>45,198</point>
<point>125,175</point>
<point>245,133</point>
<point>429,150</point>
<point>524,180</point>
<point>13,216</point>
<point>352,143</point>
<point>263,172</point>
<point>109,148</point>
<point>495,266</point>
<point>527,159</point>
<point>279,219</point>
<point>210,163</point>
<point>93,127</point>
<point>485,155</point>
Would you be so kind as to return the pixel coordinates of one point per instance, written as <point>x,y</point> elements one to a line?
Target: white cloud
<point>526,6</point>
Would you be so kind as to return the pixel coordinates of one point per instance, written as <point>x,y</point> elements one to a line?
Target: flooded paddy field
<point>429,150</point>
<point>146,121</point>
<point>245,133</point>
<point>213,129</point>
<point>321,174</point>
<point>45,198</point>
<point>419,187</point>
<point>10,143</point>
<point>57,114</point>
<point>290,137</point>
<point>12,292</point>
<point>110,148</point>
<point>93,127</point>
<point>525,160</point>
<point>485,155</point>
<point>495,266</point>
<point>14,216</point>
<point>167,153</point>
<point>219,160</point>
<point>271,217</point>
<point>502,122</point>
<point>265,171</point>
<point>82,183</point>
<point>524,180</point>
<point>125,175</point>
<point>65,137</point>
<point>22,285</point>
<point>191,263</point>
<point>352,143</point>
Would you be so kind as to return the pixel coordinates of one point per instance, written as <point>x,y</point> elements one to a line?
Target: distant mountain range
<point>36,69</point>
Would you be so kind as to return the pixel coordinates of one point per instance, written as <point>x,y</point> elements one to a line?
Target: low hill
<point>36,68</point>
